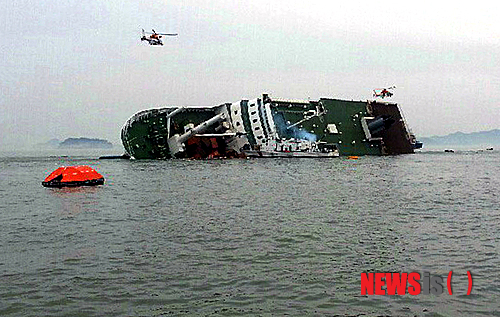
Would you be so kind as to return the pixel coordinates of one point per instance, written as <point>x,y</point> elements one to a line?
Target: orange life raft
<point>80,175</point>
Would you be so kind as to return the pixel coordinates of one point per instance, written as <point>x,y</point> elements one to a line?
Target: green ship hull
<point>322,128</point>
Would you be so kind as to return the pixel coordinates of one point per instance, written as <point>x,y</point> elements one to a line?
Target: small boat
<point>449,151</point>
<point>418,145</point>
<point>289,154</point>
<point>294,148</point>
<point>71,176</point>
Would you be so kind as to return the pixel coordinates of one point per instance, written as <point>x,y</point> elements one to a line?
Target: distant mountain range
<point>78,143</point>
<point>490,138</point>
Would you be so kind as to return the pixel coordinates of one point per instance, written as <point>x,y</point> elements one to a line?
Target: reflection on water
<point>70,201</point>
<point>249,237</point>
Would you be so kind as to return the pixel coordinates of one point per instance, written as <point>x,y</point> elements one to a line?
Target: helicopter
<point>383,92</point>
<point>154,38</point>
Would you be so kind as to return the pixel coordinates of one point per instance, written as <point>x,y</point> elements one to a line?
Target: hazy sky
<point>78,68</point>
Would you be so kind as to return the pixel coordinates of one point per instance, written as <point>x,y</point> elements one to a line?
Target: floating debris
<point>124,156</point>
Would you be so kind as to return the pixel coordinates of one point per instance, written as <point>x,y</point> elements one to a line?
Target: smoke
<point>303,135</point>
<point>292,132</point>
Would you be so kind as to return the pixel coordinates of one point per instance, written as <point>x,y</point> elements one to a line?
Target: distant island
<point>85,143</point>
<point>484,138</point>
<point>78,143</point>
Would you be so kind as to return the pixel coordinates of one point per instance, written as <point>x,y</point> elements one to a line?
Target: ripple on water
<point>250,237</point>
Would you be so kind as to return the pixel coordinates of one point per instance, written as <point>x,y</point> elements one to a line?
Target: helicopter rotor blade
<point>168,34</point>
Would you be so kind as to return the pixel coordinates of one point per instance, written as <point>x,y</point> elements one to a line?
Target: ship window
<point>253,112</point>
<point>257,128</point>
<point>235,111</point>
<point>238,124</point>
<point>254,120</point>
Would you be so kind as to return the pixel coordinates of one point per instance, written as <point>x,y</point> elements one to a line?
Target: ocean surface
<point>249,237</point>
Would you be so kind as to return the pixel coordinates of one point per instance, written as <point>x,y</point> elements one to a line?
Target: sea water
<point>269,237</point>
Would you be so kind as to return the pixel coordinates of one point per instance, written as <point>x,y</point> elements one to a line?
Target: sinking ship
<point>269,127</point>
